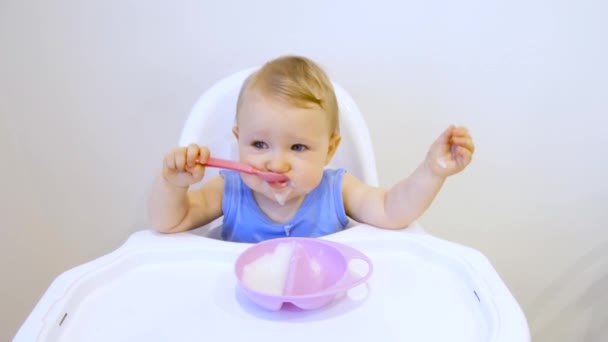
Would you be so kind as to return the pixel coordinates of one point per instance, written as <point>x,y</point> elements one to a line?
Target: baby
<point>287,122</point>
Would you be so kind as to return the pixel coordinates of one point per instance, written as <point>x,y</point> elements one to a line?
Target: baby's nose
<point>278,164</point>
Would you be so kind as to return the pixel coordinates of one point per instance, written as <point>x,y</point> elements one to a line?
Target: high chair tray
<point>182,288</point>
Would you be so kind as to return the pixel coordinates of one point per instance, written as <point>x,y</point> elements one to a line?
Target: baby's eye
<point>299,148</point>
<point>259,144</point>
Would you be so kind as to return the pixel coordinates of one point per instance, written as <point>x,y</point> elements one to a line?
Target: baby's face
<point>279,137</point>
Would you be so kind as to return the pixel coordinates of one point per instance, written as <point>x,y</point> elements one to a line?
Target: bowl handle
<point>351,279</point>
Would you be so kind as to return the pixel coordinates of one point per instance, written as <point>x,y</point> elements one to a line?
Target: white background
<point>92,94</point>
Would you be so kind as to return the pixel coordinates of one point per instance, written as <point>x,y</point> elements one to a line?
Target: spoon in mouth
<point>271,177</point>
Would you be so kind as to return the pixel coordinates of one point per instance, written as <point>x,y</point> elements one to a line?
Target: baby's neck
<point>277,212</point>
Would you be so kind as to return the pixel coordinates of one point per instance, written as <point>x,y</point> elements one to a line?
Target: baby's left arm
<point>407,200</point>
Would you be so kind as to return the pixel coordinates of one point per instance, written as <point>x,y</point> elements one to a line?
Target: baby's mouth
<point>279,185</point>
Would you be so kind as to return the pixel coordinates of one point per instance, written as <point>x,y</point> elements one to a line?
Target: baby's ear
<point>334,142</point>
<point>235,131</point>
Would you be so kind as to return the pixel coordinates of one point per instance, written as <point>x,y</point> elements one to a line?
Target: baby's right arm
<point>171,207</point>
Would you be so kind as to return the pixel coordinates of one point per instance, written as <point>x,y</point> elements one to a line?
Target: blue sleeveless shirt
<point>321,213</point>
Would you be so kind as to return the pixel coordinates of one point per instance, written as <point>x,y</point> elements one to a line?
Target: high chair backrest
<point>211,120</point>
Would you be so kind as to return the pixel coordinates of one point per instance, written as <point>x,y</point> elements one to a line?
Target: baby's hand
<point>451,152</point>
<point>182,166</point>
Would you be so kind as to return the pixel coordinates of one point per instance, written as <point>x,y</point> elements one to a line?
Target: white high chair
<point>181,287</point>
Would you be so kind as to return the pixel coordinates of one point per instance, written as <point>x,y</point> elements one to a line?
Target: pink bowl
<point>317,271</point>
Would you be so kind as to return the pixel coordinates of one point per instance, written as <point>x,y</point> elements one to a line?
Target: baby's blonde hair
<point>297,80</point>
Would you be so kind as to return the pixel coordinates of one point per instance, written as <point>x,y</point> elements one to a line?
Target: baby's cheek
<point>311,180</point>
<point>252,160</point>
<point>252,181</point>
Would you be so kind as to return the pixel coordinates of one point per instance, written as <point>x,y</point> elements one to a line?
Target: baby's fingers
<point>463,156</point>
<point>203,155</point>
<point>461,131</point>
<point>444,138</point>
<point>172,161</point>
<point>180,158</point>
<point>192,155</point>
<point>464,141</point>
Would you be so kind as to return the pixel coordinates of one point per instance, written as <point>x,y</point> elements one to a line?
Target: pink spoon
<point>236,166</point>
